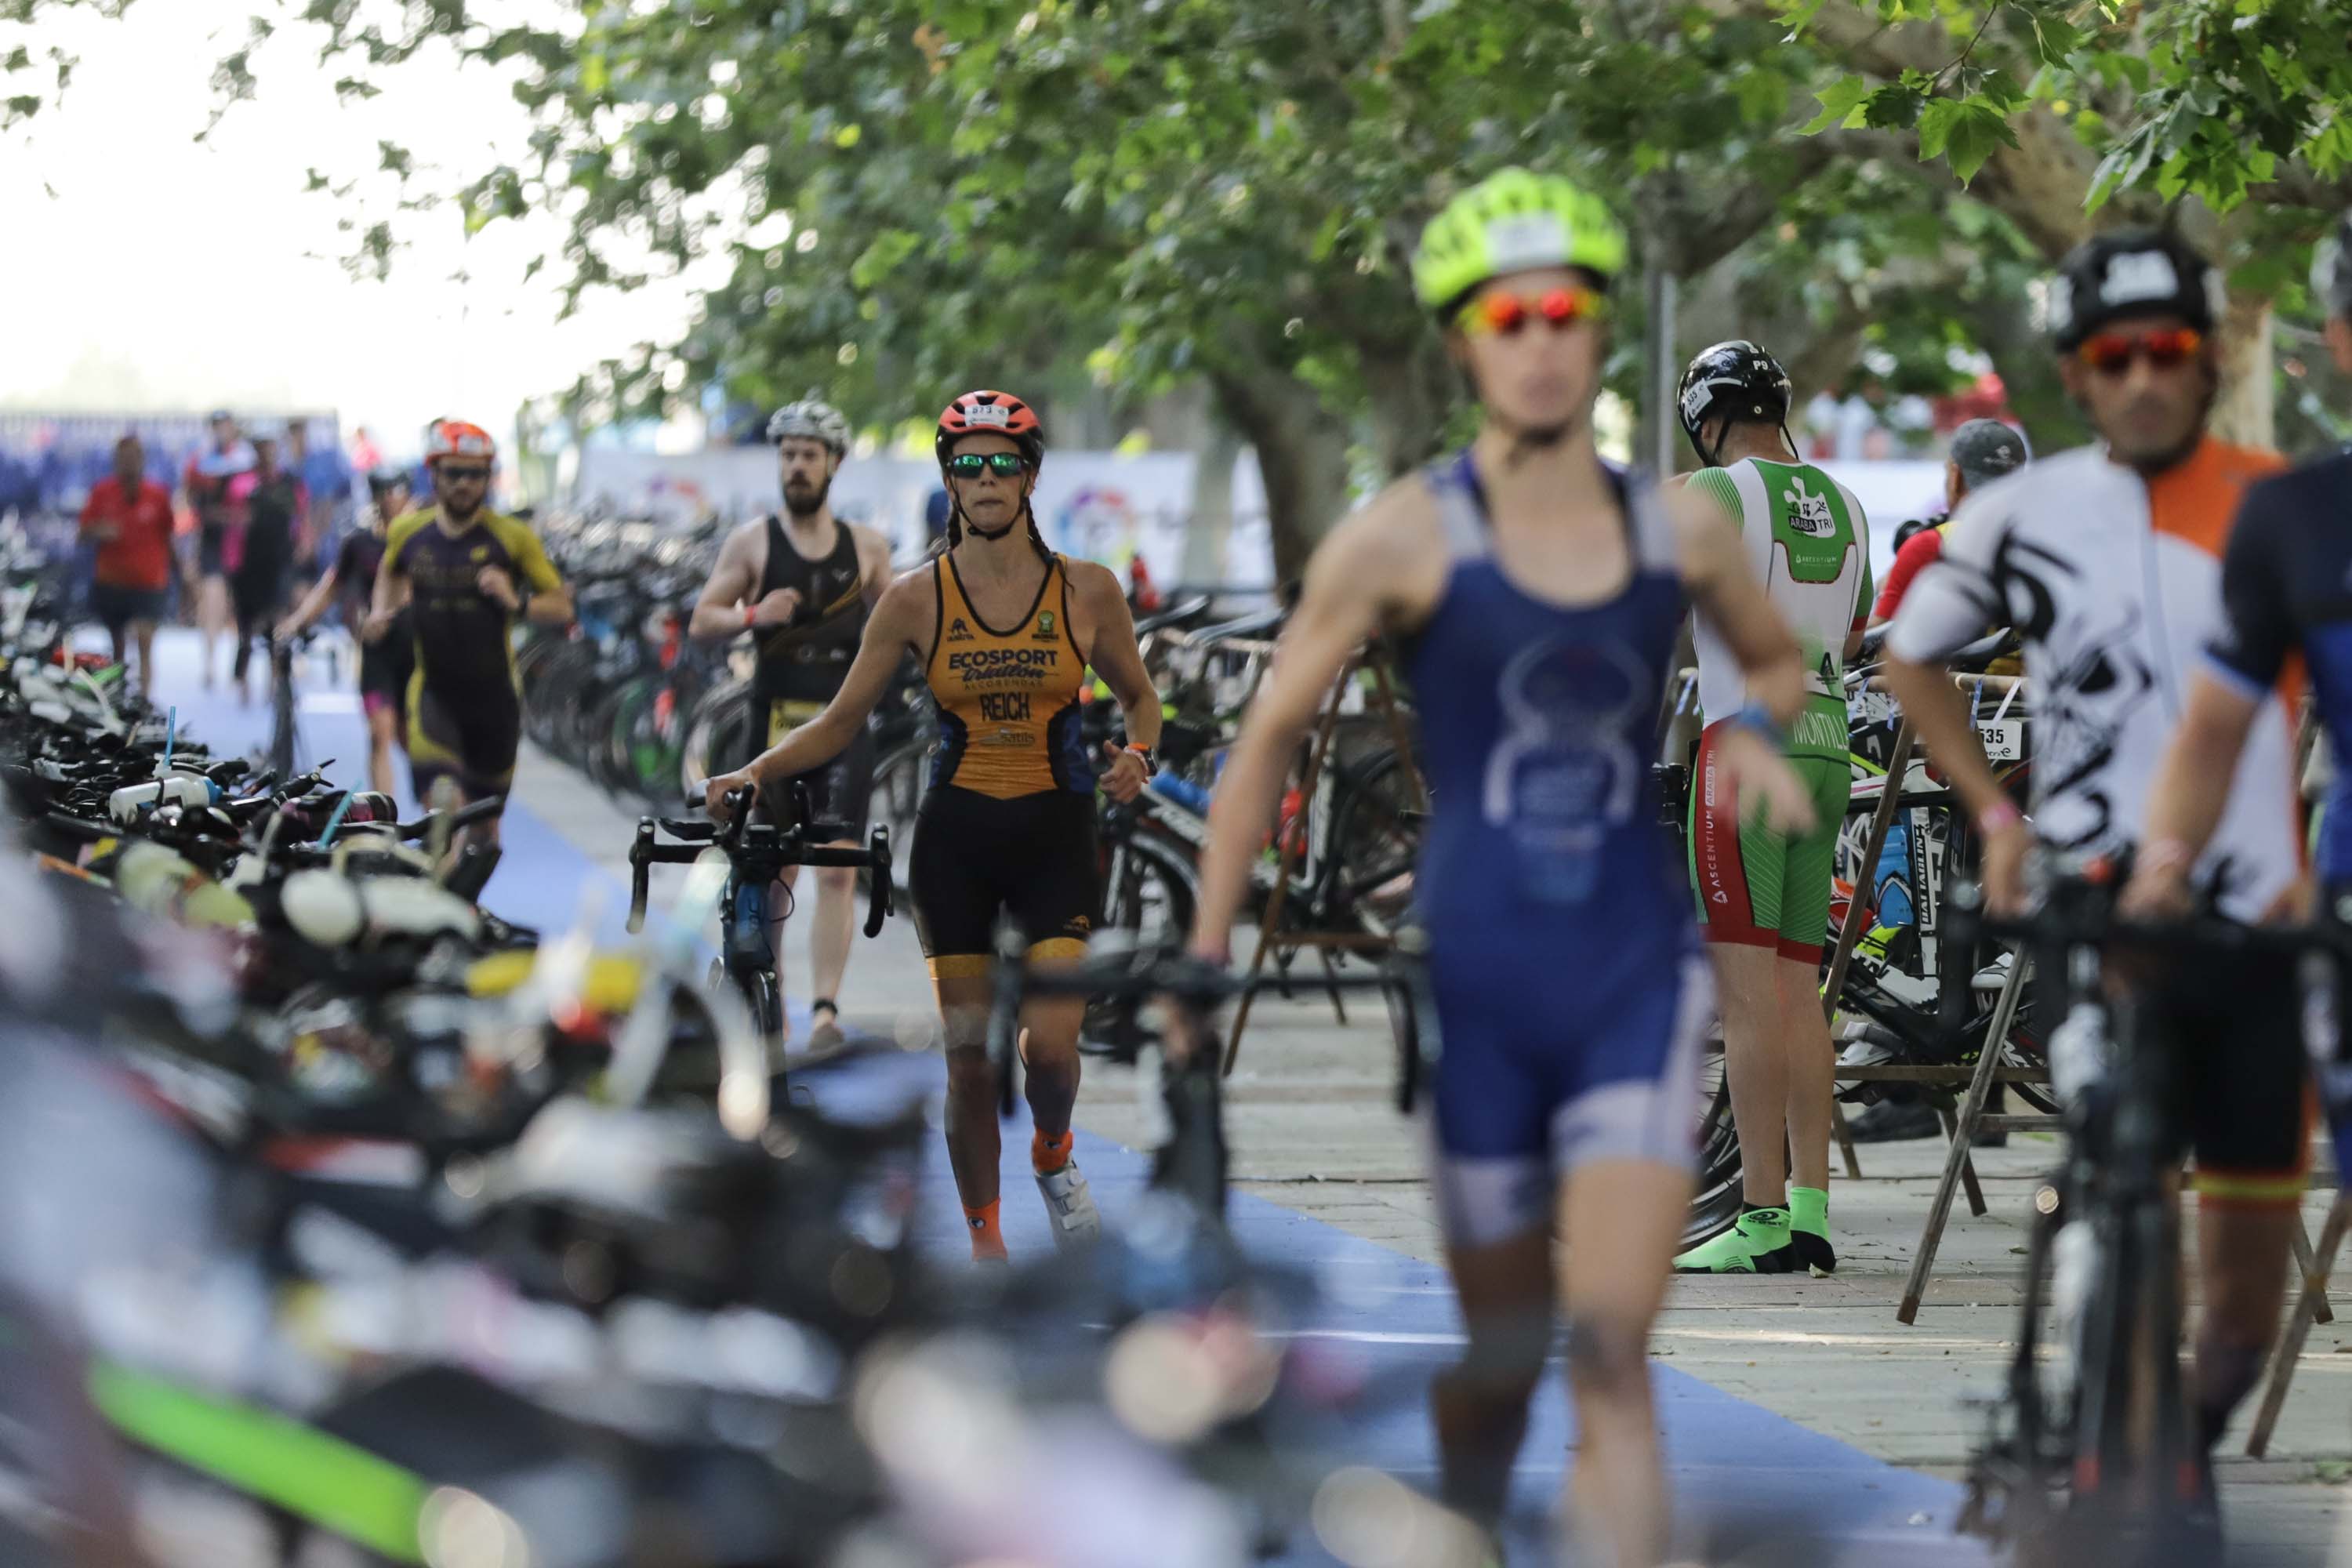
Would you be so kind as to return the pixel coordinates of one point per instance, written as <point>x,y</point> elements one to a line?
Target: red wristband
<point>751,616</point>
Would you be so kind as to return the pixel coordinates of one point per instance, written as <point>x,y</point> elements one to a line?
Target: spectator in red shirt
<point>1982,450</point>
<point>129,517</point>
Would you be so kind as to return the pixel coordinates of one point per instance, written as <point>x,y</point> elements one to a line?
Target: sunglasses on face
<point>972,465</point>
<point>1508,315</point>
<point>2112,354</point>
<point>461,476</point>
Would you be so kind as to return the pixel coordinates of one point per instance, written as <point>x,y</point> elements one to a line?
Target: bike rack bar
<point>2310,1306</point>
<point>1963,1127</point>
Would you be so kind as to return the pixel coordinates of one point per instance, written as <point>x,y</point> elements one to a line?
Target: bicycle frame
<point>2124,1439</point>
<point>756,857</point>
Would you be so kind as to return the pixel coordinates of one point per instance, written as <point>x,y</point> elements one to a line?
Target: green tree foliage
<point>921,196</point>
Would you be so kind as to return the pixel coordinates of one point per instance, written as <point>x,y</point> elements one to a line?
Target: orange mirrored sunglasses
<point>1506,314</point>
<point>2111,353</point>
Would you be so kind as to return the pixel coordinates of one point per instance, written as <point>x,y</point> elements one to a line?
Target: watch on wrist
<point>1146,756</point>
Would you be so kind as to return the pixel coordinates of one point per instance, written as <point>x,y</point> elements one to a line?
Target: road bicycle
<point>755,855</point>
<point>2091,1451</point>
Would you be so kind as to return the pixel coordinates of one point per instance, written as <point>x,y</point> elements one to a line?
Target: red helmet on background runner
<point>455,438</point>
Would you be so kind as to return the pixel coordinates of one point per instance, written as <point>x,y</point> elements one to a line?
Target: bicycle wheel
<point>561,685</point>
<point>1151,889</point>
<point>901,780</point>
<point>2012,1478</point>
<point>1373,840</point>
<point>718,737</point>
<point>1716,1198</point>
<point>650,734</point>
<point>606,769</point>
<point>285,753</point>
<point>2132,1441</point>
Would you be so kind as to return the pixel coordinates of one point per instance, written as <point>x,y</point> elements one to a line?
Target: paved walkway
<point>1792,1396</point>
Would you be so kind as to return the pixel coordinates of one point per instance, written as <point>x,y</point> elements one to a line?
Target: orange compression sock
<point>1047,1155</point>
<point>987,1240</point>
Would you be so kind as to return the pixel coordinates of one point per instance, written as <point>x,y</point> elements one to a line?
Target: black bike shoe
<point>1889,1123</point>
<point>1809,1253</point>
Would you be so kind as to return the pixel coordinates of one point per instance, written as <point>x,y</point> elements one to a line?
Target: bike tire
<point>901,779</point>
<point>2131,1427</point>
<point>718,736</point>
<point>1716,1195</point>
<point>1150,892</point>
<point>1374,837</point>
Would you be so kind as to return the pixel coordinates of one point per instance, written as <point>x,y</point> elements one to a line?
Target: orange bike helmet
<point>455,438</point>
<point>991,414</point>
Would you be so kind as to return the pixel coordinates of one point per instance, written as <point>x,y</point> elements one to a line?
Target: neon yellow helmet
<point>1513,221</point>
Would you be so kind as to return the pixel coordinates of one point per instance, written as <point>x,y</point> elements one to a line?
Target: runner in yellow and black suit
<point>467,574</point>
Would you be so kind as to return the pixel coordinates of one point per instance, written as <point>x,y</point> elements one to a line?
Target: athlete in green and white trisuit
<point>1764,898</point>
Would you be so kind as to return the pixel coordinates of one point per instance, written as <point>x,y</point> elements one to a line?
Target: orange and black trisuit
<point>1009,823</point>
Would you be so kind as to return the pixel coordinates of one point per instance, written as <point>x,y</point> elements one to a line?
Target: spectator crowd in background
<point>1863,422</point>
<point>179,520</point>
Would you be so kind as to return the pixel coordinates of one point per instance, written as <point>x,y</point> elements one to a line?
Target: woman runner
<point>1005,629</point>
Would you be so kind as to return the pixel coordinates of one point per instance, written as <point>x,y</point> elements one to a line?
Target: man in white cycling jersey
<point>1764,896</point>
<point>2106,559</point>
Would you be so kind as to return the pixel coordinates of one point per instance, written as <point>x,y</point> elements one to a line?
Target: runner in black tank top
<point>804,604</point>
<point>801,666</point>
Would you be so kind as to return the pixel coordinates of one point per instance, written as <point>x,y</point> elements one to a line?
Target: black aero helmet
<point>2131,272</point>
<point>1734,379</point>
<point>2331,269</point>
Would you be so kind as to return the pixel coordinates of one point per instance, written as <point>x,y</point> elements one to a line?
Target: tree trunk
<point>1412,392</point>
<point>1302,453</point>
<point>1212,523</point>
<point>2244,411</point>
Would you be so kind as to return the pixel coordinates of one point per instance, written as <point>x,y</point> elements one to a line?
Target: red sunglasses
<point>1508,315</point>
<point>2112,354</point>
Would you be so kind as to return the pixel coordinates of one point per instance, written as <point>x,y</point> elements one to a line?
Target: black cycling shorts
<point>976,858</point>
<point>2241,1096</point>
<point>472,740</point>
<point>385,667</point>
<point>840,791</point>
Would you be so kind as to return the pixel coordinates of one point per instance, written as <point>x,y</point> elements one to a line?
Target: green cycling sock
<point>1809,1210</point>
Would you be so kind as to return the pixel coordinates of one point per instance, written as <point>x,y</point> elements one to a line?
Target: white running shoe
<point>1070,1208</point>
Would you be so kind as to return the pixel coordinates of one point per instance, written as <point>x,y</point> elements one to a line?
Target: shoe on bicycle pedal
<point>1874,1047</point>
<point>1069,1206</point>
<point>1757,1243</point>
<point>1894,1122</point>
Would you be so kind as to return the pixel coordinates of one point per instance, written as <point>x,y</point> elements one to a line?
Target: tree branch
<point>1703,227</point>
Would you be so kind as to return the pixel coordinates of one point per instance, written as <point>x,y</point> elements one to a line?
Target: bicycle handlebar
<point>790,847</point>
<point>2078,909</point>
<point>466,816</point>
<point>1197,983</point>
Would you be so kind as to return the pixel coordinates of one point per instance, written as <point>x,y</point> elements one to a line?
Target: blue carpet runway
<point>1753,1488</point>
